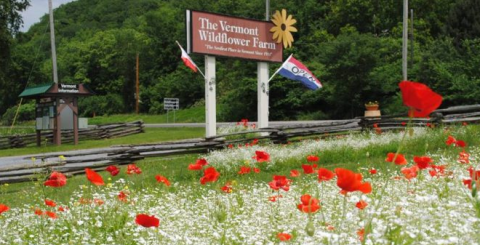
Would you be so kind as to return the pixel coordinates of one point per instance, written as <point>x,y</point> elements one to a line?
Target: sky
<point>36,10</point>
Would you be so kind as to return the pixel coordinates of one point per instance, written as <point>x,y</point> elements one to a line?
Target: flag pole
<point>279,68</point>
<point>193,63</point>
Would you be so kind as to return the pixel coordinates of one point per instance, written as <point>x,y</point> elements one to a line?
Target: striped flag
<point>187,60</point>
<point>295,70</point>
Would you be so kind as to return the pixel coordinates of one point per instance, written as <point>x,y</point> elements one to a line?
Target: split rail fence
<point>26,168</point>
<point>105,131</point>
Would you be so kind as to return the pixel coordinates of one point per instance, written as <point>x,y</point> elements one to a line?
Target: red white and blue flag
<point>295,70</point>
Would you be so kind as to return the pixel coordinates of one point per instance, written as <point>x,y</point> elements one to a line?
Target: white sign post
<point>262,85</point>
<point>171,104</point>
<point>210,100</point>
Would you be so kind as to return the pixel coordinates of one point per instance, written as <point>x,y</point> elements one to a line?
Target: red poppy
<point>419,98</point>
<point>132,168</point>
<point>50,203</point>
<point>230,146</point>
<point>375,125</point>
<point>361,234</point>
<point>147,221</point>
<point>256,170</point>
<point>439,168</point>
<point>312,158</point>
<point>349,181</point>
<point>50,214</point>
<point>201,162</point>
<point>113,170</point>
<point>410,172</point>
<point>461,143</point>
<point>463,157</point>
<point>56,179</point>
<point>325,175</point>
<point>209,175</point>
<point>361,204</point>
<point>195,167</point>
<point>284,236</point>
<point>404,123</point>
<point>294,173</point>
<point>372,171</point>
<point>243,122</point>
<point>474,174</point>
<point>244,170</point>
<point>279,182</point>
<point>38,212</point>
<point>162,179</point>
<point>450,140</point>
<point>307,169</point>
<point>94,177</point>
<point>62,209</point>
<point>422,162</point>
<point>3,208</point>
<point>122,196</point>
<point>261,156</point>
<point>99,202</point>
<point>309,204</point>
<point>400,160</point>
<point>227,188</point>
<point>274,198</point>
<point>254,142</point>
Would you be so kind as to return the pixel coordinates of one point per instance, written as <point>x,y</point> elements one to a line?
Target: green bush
<point>26,113</point>
<point>101,105</point>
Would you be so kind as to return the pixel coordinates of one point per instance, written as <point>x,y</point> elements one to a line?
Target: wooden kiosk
<point>56,108</point>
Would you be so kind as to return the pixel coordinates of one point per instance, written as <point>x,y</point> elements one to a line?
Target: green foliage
<point>464,21</point>
<point>26,113</point>
<point>101,105</point>
<point>352,46</point>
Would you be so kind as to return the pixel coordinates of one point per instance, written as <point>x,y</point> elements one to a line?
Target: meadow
<point>261,193</point>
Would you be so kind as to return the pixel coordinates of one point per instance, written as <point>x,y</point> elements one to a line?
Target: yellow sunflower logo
<point>283,28</point>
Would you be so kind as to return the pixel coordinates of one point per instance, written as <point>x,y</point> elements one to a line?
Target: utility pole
<point>52,42</point>
<point>405,40</point>
<point>137,89</point>
<point>411,39</point>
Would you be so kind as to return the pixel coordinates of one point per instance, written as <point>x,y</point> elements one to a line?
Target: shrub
<point>26,113</point>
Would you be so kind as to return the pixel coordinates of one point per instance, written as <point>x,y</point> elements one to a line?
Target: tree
<point>10,22</point>
<point>464,21</point>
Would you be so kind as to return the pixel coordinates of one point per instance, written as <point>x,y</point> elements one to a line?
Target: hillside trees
<point>352,46</point>
<point>10,22</point>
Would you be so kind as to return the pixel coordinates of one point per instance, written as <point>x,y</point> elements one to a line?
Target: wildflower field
<point>339,190</point>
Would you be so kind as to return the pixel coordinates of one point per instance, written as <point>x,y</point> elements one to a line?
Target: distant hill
<point>354,48</point>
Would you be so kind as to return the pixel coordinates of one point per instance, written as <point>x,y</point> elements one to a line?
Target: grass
<point>399,211</point>
<point>151,135</point>
<point>348,155</point>
<point>189,115</point>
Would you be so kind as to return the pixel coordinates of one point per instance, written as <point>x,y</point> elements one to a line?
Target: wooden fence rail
<point>99,132</point>
<point>26,168</point>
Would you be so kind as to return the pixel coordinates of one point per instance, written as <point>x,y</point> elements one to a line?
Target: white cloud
<point>36,10</point>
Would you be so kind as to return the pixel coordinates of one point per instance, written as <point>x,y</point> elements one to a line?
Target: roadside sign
<point>171,104</point>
